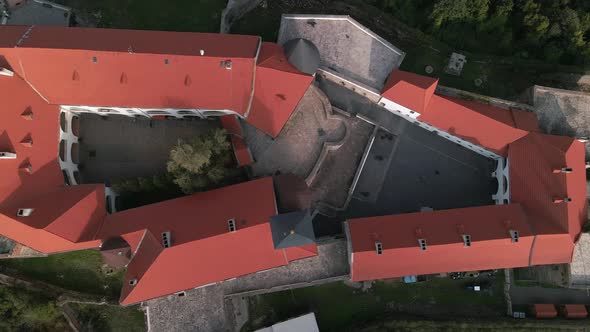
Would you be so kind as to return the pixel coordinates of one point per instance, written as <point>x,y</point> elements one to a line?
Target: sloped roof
<point>74,213</point>
<point>292,229</point>
<point>534,184</point>
<point>279,88</point>
<point>409,90</point>
<point>203,249</point>
<point>486,128</point>
<point>26,116</point>
<point>514,118</point>
<point>102,67</point>
<point>488,227</point>
<point>17,184</point>
<point>303,55</point>
<point>241,151</point>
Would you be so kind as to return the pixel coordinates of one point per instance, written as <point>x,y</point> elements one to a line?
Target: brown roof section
<point>142,41</point>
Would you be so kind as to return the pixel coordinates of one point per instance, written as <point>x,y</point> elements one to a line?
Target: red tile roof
<point>241,151</point>
<point>484,127</point>
<point>199,229</point>
<point>279,88</point>
<point>488,226</point>
<point>533,183</point>
<point>409,90</point>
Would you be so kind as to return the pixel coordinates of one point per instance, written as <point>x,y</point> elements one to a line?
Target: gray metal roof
<point>292,229</point>
<point>303,55</point>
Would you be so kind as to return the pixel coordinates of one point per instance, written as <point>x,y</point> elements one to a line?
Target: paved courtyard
<point>207,309</point>
<point>346,47</point>
<point>118,146</point>
<point>318,144</point>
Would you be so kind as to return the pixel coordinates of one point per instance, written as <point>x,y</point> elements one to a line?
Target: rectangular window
<point>379,248</point>
<point>231,225</point>
<point>422,243</point>
<point>466,240</point>
<point>514,236</point>
<point>166,239</point>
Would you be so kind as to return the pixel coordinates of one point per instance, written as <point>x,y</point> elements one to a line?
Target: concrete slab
<point>345,46</point>
<point>119,147</point>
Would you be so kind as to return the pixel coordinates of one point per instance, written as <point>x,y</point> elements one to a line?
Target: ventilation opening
<point>24,212</point>
<point>422,244</point>
<point>379,248</point>
<point>466,240</point>
<point>166,239</point>
<point>231,225</point>
<point>567,170</point>
<point>567,199</point>
<point>133,282</point>
<point>514,236</point>
<point>181,294</point>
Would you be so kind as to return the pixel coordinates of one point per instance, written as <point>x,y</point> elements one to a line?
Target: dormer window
<point>231,224</point>
<point>24,212</point>
<point>422,243</point>
<point>466,240</point>
<point>514,236</point>
<point>166,239</point>
<point>378,248</point>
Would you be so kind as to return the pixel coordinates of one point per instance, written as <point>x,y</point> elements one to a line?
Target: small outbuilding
<point>575,311</point>
<point>545,311</point>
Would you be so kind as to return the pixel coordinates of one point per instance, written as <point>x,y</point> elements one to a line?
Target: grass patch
<point>173,15</point>
<point>338,307</point>
<point>108,318</point>
<point>504,325</point>
<point>78,271</point>
<point>25,310</point>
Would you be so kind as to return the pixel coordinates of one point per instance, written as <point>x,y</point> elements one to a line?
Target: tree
<point>201,162</point>
<point>459,10</point>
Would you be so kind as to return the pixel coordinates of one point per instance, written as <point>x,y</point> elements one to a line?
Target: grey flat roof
<point>409,167</point>
<point>345,46</point>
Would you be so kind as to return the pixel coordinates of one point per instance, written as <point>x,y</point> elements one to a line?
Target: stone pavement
<point>204,309</point>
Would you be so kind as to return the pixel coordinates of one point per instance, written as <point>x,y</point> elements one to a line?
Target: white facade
<point>147,112</point>
<point>68,141</point>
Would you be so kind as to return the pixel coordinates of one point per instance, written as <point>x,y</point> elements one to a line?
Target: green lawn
<point>78,271</point>
<point>172,15</point>
<point>108,318</point>
<point>338,306</point>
